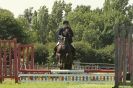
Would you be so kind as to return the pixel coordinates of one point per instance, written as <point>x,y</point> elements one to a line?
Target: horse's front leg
<point>58,56</point>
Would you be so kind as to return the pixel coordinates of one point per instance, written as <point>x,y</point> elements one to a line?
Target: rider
<point>60,34</point>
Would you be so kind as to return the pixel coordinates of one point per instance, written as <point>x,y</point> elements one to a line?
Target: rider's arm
<point>60,32</point>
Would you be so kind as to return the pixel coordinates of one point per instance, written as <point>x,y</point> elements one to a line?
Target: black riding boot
<point>54,54</point>
<point>73,51</point>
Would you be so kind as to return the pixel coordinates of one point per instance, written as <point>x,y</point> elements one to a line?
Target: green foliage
<point>31,36</point>
<point>93,29</point>
<point>50,47</point>
<point>42,20</point>
<point>67,9</point>
<point>28,14</point>
<point>41,54</point>
<point>34,21</point>
<point>89,37</point>
<point>51,36</point>
<point>85,22</point>
<point>9,27</point>
<point>106,54</point>
<point>57,11</point>
<point>84,52</point>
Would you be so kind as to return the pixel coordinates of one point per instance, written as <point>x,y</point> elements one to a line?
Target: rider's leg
<point>73,50</point>
<point>55,49</point>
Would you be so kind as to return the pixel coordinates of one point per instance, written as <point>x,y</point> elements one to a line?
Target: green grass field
<point>11,84</point>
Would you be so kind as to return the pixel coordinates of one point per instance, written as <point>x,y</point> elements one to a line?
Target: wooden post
<point>131,65</point>
<point>124,59</point>
<point>116,57</point>
<point>22,56</point>
<point>15,62</point>
<point>27,56</point>
<point>124,62</point>
<point>0,63</point>
<point>19,57</point>
<point>32,57</point>
<point>18,53</point>
<point>10,58</point>
<point>130,50</point>
<point>5,64</point>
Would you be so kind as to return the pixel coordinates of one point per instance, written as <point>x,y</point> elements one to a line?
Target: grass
<point>11,84</point>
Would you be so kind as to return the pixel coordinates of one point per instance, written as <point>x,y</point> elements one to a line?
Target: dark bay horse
<point>64,53</point>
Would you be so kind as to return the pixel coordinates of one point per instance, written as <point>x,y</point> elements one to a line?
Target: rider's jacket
<point>70,33</point>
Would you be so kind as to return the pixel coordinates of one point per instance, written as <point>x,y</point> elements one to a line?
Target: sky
<point>17,7</point>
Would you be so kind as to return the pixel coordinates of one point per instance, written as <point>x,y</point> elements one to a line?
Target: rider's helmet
<point>65,22</point>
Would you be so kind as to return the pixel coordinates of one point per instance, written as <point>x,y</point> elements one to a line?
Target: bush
<point>106,54</point>
<point>84,52</point>
<point>41,54</point>
<point>50,47</point>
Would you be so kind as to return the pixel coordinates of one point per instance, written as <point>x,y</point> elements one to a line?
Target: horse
<point>64,53</point>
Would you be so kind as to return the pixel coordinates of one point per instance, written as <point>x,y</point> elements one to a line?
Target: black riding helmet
<point>65,22</point>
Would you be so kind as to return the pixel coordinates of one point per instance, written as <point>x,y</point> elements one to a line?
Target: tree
<point>84,52</point>
<point>43,24</point>
<point>41,54</point>
<point>57,13</point>
<point>85,22</point>
<point>9,27</point>
<point>83,8</point>
<point>93,29</point>
<point>88,36</point>
<point>28,14</point>
<point>67,9</point>
<point>34,21</point>
<point>114,12</point>
<point>106,54</point>
<point>55,18</point>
